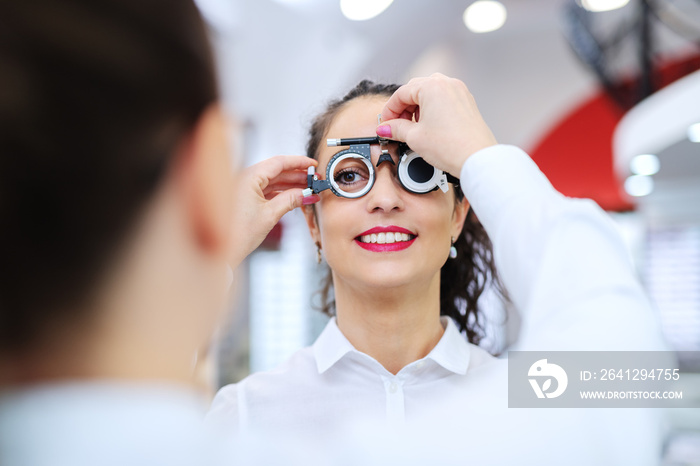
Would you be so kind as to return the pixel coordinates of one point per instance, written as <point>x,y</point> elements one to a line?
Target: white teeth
<point>385,238</point>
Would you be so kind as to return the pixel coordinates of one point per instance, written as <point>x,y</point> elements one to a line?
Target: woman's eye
<point>348,177</point>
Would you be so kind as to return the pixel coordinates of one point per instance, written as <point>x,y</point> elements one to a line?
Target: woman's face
<point>343,226</point>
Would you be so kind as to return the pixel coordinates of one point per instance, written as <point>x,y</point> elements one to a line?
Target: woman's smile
<point>386,239</point>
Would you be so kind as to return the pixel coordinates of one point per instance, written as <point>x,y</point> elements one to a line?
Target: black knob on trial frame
<point>385,157</point>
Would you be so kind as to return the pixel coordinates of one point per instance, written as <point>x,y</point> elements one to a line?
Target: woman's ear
<point>312,223</point>
<point>205,176</point>
<point>459,215</point>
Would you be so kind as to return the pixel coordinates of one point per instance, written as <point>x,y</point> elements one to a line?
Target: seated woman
<point>408,265</point>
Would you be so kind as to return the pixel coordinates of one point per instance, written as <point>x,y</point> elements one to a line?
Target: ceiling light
<point>360,10</point>
<point>645,164</point>
<point>484,16</point>
<point>603,5</point>
<point>639,185</point>
<point>694,132</point>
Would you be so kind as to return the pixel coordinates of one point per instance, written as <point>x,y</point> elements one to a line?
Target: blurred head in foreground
<point>115,187</point>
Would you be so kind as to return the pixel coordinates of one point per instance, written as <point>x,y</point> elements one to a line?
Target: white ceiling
<point>281,61</point>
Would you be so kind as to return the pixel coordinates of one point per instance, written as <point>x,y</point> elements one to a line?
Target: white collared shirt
<point>330,383</point>
<point>567,272</point>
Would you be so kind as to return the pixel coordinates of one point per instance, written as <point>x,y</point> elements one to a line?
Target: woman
<point>388,355</point>
<point>119,219</point>
<point>461,282</point>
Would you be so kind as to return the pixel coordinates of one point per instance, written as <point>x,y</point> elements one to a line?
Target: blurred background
<point>603,94</point>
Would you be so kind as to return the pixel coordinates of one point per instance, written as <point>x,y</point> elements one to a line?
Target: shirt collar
<point>451,352</point>
<point>330,347</point>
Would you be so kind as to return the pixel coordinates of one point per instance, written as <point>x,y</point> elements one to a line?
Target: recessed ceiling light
<point>639,185</point>
<point>603,5</point>
<point>645,164</point>
<point>484,16</point>
<point>360,10</point>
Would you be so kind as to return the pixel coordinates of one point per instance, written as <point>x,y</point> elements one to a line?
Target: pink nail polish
<point>384,131</point>
<point>313,199</point>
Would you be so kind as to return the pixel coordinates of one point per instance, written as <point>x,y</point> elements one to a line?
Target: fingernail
<point>384,131</point>
<point>313,199</point>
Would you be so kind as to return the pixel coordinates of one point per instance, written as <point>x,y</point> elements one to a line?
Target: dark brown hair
<point>462,280</point>
<point>94,97</point>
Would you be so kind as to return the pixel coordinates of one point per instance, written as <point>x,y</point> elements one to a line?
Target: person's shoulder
<point>479,356</point>
<point>294,371</point>
<point>482,363</point>
<point>299,366</point>
<point>263,388</point>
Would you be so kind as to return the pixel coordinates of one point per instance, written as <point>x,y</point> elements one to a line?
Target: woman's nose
<point>386,194</point>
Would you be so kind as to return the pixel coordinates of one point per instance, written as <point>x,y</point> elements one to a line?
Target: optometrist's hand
<point>448,127</point>
<point>264,193</point>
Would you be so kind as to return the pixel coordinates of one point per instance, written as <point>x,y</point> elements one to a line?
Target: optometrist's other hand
<point>448,127</point>
<point>264,193</point>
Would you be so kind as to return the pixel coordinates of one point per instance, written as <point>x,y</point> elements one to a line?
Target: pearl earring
<point>453,250</point>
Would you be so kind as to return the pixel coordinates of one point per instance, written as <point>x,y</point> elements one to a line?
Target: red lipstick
<point>386,247</point>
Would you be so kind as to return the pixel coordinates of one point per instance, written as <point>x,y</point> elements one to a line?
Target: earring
<point>453,250</point>
<point>318,253</point>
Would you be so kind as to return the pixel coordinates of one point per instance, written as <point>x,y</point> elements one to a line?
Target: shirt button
<point>420,364</point>
<point>392,387</point>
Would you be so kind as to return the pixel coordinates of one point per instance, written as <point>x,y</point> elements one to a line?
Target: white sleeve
<point>561,260</point>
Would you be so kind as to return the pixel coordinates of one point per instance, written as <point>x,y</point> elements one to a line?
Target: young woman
<point>407,269</point>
